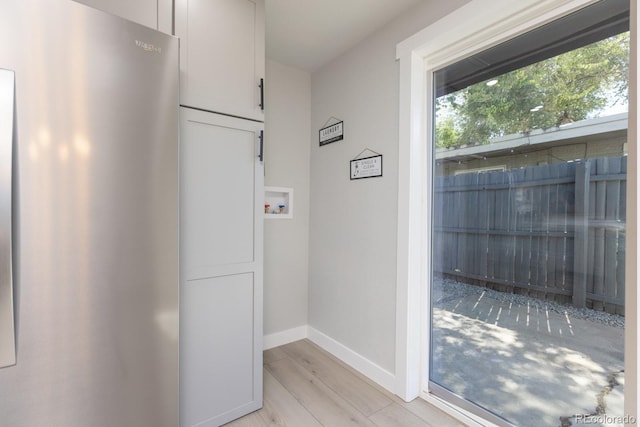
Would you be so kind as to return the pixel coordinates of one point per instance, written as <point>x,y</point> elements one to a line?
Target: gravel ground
<point>446,289</point>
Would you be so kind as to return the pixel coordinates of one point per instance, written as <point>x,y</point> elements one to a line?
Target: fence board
<point>567,241</point>
<point>459,221</point>
<point>622,219</point>
<point>611,232</point>
<point>502,221</point>
<point>621,276</point>
<point>532,261</point>
<point>592,237</point>
<point>466,241</point>
<point>526,209</point>
<point>555,221</point>
<point>473,227</point>
<point>565,281</point>
<point>544,226</point>
<point>484,212</point>
<point>599,257</point>
<point>581,235</point>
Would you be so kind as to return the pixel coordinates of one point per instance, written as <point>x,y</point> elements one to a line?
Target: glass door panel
<point>527,293</point>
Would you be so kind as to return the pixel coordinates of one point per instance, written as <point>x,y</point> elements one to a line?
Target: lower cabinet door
<point>221,268</point>
<point>218,373</point>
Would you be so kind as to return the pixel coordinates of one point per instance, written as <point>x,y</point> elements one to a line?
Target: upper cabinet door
<point>222,55</point>
<point>143,12</point>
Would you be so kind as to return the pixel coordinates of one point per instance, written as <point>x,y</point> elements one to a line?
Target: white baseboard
<point>284,337</point>
<point>361,364</point>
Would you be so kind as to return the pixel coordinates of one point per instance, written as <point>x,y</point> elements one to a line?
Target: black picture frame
<point>336,129</point>
<point>358,168</point>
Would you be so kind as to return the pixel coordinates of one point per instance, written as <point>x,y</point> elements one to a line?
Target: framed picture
<point>368,167</point>
<point>332,133</point>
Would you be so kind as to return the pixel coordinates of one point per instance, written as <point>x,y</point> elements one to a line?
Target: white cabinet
<point>222,61</point>
<point>219,363</point>
<point>222,55</point>
<point>221,210</point>
<point>151,13</point>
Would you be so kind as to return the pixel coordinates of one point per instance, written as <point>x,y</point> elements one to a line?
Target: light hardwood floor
<point>306,386</point>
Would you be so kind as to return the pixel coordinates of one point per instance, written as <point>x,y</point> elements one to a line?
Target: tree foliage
<point>569,87</point>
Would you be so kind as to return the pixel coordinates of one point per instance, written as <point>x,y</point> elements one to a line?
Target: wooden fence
<point>553,232</point>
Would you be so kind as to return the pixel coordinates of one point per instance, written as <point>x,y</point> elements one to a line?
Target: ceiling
<point>307,34</point>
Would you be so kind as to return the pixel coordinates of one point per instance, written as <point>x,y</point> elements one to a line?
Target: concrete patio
<point>528,361</point>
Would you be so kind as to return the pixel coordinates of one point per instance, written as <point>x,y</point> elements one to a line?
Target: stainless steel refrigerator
<point>88,219</point>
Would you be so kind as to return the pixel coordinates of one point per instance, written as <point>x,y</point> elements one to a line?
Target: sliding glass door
<point>529,224</point>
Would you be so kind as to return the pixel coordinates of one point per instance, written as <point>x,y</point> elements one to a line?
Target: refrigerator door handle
<point>7,120</point>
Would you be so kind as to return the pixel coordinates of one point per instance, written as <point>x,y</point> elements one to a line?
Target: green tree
<point>569,87</point>
<point>446,133</point>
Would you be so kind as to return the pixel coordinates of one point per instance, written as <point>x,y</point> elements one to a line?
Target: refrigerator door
<point>95,219</point>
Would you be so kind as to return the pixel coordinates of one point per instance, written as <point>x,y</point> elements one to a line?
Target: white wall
<point>286,241</point>
<point>353,224</point>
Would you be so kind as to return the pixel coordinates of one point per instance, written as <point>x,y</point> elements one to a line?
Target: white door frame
<point>472,28</point>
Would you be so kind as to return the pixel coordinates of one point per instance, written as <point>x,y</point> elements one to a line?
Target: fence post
<point>581,234</point>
